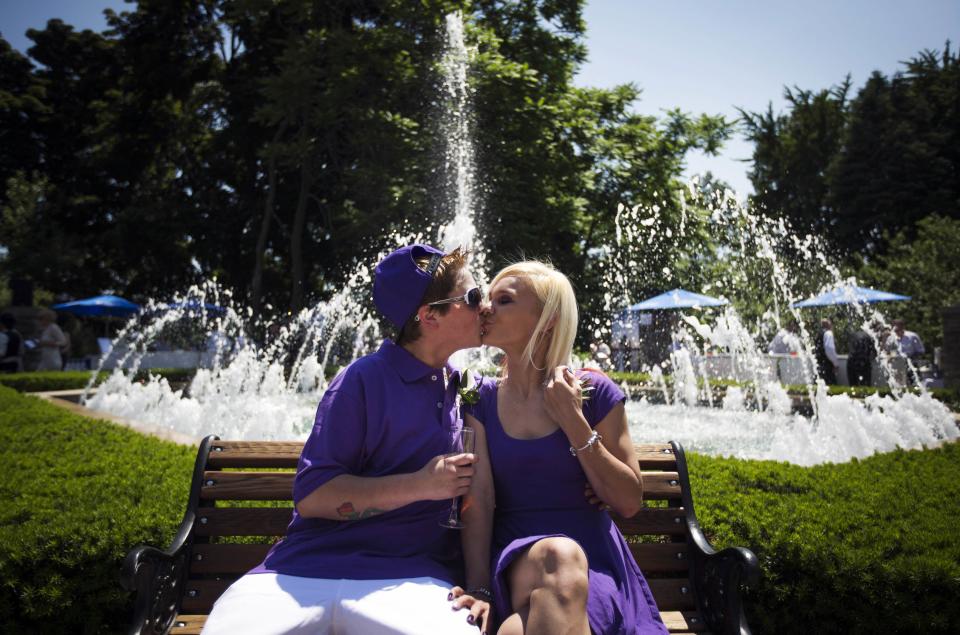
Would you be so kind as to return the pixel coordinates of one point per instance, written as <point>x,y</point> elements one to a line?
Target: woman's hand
<point>479,608</point>
<point>595,500</point>
<point>563,400</point>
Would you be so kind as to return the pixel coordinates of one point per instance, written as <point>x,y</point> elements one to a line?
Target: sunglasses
<point>471,298</point>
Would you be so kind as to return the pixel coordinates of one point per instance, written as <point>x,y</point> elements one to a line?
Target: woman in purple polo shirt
<point>551,437</point>
<point>365,552</point>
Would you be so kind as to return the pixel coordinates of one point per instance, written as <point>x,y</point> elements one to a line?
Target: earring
<point>416,318</point>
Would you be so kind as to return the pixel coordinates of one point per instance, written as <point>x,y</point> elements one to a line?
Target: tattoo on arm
<point>347,512</point>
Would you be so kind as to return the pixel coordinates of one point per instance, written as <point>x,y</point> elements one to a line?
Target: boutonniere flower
<point>468,391</point>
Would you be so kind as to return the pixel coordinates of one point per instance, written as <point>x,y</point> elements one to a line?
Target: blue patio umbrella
<point>849,294</point>
<point>677,299</point>
<point>101,305</point>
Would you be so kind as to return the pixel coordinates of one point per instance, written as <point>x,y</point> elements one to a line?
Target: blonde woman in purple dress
<point>549,440</point>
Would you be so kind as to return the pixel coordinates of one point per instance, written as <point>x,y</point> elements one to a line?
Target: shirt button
<point>439,404</point>
<point>434,378</point>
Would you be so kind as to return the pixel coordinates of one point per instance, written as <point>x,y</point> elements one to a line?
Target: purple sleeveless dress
<point>539,494</point>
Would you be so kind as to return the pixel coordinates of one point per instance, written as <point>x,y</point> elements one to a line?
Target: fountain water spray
<point>270,391</point>
<point>755,419</point>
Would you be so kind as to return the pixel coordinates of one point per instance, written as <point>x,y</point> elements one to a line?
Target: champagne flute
<point>464,441</point>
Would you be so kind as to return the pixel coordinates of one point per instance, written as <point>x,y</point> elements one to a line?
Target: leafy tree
<point>852,169</point>
<point>272,144</point>
<point>65,196</point>
<point>923,267</point>
<point>559,160</point>
<point>20,103</point>
<point>793,152</point>
<point>900,154</point>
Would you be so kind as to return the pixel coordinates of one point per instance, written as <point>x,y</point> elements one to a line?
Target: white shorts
<point>275,604</point>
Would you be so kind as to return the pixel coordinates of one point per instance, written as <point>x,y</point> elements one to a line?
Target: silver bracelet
<point>592,441</point>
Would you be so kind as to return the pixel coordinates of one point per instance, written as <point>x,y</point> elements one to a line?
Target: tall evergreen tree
<point>793,152</point>
<point>900,159</point>
<point>852,169</point>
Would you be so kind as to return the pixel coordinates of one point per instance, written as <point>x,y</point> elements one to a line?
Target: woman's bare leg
<point>548,590</point>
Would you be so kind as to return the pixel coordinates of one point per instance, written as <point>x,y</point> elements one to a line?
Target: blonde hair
<point>558,311</point>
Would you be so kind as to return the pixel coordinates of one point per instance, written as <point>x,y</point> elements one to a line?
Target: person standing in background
<point>786,341</point>
<point>828,363</point>
<point>908,343</point>
<point>52,340</point>
<point>863,351</point>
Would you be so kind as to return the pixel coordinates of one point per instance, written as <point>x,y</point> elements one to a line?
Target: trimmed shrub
<point>78,495</point>
<point>77,379</point>
<point>42,381</point>
<point>630,378</point>
<point>862,547</point>
<point>868,546</point>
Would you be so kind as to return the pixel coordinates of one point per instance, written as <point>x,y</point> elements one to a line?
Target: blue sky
<point>713,56</point>
<point>699,55</point>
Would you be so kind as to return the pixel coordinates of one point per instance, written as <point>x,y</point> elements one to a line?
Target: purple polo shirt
<point>386,413</point>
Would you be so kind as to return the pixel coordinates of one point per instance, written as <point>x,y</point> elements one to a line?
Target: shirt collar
<point>409,367</point>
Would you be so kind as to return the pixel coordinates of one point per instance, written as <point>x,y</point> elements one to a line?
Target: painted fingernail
<point>449,596</point>
<point>470,619</point>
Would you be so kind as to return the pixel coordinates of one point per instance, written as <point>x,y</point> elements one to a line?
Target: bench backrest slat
<point>672,594</point>
<point>662,557</point>
<point>652,521</point>
<point>279,485</point>
<point>226,559</point>
<point>243,521</point>
<point>248,486</point>
<point>285,454</point>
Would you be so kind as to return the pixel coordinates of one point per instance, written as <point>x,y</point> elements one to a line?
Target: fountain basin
<point>71,400</point>
<point>847,428</point>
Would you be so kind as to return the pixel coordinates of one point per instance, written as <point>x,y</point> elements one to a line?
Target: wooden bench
<point>697,589</point>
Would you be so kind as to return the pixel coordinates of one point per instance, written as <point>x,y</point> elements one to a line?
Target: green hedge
<point>41,381</point>
<point>77,379</point>
<point>78,495</point>
<point>869,546</point>
<point>862,547</point>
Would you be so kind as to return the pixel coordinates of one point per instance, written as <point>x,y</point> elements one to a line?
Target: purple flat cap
<point>399,284</point>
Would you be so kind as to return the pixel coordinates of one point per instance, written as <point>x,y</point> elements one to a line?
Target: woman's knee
<point>563,566</point>
<point>559,553</point>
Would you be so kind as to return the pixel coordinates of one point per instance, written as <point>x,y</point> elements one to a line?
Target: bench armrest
<point>157,576</point>
<point>719,578</point>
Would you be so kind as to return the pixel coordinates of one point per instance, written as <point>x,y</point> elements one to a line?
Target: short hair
<point>440,288</point>
<point>558,311</point>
